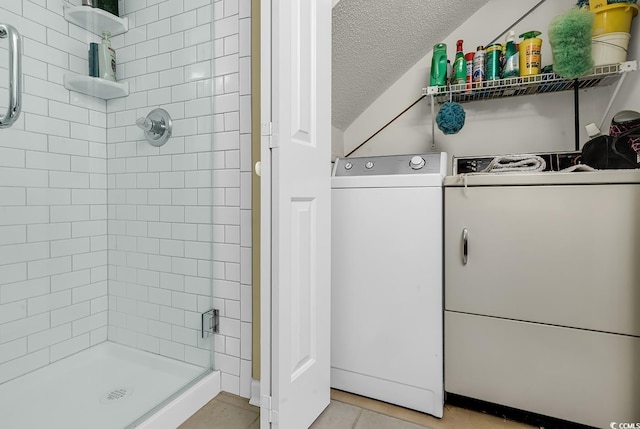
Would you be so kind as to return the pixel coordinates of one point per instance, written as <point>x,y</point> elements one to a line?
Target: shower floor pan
<point>108,386</point>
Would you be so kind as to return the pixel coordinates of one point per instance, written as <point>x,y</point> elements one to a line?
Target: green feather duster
<point>570,39</point>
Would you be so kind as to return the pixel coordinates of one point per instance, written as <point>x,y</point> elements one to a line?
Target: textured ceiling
<point>376,41</point>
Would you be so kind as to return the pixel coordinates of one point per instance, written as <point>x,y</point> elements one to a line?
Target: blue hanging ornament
<point>450,118</point>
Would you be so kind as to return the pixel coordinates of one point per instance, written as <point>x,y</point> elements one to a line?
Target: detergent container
<point>530,53</point>
<point>610,48</point>
<point>439,65</point>
<point>612,18</point>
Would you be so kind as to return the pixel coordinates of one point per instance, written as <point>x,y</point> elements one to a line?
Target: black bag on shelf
<point>607,153</point>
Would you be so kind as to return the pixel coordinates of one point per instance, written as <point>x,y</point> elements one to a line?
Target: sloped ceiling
<point>376,41</point>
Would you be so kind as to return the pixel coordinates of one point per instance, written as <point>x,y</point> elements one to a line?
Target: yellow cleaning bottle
<point>530,53</point>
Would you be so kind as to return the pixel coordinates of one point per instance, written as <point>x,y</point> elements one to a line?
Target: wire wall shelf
<point>527,85</point>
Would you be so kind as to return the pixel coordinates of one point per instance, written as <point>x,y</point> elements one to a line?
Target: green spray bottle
<point>511,57</point>
<point>439,65</point>
<point>459,66</point>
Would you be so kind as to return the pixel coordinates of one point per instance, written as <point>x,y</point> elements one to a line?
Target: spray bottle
<point>511,57</point>
<point>530,53</point>
<point>459,66</point>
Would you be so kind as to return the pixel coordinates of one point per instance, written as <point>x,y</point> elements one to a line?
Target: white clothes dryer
<point>386,315</point>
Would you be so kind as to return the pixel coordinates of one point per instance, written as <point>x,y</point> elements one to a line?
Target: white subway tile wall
<point>103,236</point>
<point>53,200</point>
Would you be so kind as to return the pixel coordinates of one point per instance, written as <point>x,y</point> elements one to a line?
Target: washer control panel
<point>384,165</point>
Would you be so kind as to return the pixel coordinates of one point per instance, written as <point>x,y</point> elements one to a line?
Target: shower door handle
<point>15,75</point>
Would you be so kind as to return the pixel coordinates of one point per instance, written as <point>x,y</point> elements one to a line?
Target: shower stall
<point>110,246</point>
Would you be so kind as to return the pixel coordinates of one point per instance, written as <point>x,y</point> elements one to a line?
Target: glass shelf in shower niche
<point>95,86</point>
<point>96,20</point>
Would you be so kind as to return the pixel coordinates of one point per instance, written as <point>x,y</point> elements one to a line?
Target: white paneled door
<point>296,196</point>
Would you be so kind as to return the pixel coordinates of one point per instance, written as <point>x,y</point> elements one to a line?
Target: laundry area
<point>486,207</point>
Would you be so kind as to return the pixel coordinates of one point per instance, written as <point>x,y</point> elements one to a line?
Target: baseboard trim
<point>255,393</point>
<point>185,405</point>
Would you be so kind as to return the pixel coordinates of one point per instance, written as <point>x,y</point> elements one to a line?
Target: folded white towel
<point>515,163</point>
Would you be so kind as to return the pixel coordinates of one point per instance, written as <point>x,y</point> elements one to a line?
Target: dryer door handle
<point>465,246</point>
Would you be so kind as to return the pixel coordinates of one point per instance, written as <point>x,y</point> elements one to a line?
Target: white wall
<point>140,269</point>
<point>337,143</point>
<point>519,124</point>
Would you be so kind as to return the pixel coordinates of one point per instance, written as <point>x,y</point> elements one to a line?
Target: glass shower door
<point>160,195</point>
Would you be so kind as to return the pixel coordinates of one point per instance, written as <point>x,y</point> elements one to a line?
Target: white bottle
<point>106,59</point>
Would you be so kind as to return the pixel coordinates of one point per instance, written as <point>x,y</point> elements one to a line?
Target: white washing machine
<point>386,314</point>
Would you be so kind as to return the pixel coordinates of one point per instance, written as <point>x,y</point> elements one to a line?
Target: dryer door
<point>562,255</point>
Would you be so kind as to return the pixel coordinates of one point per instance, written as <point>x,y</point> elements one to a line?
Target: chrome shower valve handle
<point>157,126</point>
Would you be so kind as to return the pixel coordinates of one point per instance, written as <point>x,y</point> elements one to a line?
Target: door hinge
<point>269,130</point>
<point>265,404</point>
<point>210,322</point>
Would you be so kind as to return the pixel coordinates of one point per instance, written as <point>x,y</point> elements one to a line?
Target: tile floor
<point>346,411</point>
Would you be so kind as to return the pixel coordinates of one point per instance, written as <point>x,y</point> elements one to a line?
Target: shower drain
<point>117,394</point>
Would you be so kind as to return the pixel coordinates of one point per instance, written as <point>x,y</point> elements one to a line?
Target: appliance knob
<point>348,166</point>
<point>417,162</point>
<point>368,165</point>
